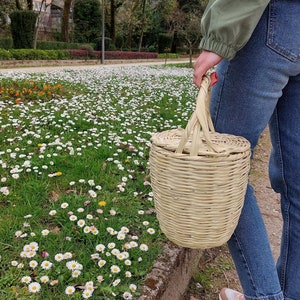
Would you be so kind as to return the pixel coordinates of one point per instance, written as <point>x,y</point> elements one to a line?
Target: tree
<point>87,20</point>
<point>187,23</point>
<point>23,5</point>
<point>7,6</point>
<point>143,24</point>
<point>22,28</point>
<point>134,19</point>
<point>65,20</point>
<point>162,23</point>
<point>189,31</point>
<point>114,5</point>
<point>44,6</point>
<point>30,4</point>
<point>127,20</point>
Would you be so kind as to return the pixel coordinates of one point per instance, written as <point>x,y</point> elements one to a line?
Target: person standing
<point>256,48</point>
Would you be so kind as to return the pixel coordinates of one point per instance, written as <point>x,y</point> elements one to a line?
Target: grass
<point>215,271</point>
<point>77,217</point>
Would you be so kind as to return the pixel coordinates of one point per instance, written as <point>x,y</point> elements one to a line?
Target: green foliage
<point>22,28</point>
<point>152,25</point>
<point>4,54</point>
<point>89,49</point>
<point>56,45</point>
<point>152,48</point>
<point>87,20</point>
<point>164,42</point>
<point>6,43</point>
<point>31,54</point>
<point>107,44</point>
<point>7,6</point>
<point>82,155</point>
<point>168,55</point>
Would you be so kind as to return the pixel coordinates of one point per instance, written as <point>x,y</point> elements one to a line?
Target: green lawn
<point>77,216</point>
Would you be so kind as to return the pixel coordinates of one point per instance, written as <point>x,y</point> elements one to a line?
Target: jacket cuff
<point>210,44</point>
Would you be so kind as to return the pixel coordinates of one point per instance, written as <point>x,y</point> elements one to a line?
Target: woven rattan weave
<point>199,179</point>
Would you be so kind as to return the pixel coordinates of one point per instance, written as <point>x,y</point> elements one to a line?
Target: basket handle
<point>200,124</point>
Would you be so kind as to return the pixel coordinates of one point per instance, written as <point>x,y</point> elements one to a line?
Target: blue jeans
<point>261,86</point>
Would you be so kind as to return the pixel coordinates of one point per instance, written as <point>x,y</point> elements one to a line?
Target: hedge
<point>5,54</point>
<point>7,43</point>
<point>127,55</point>
<point>22,28</point>
<point>31,54</point>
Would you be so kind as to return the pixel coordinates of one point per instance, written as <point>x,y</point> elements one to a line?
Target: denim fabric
<point>261,86</point>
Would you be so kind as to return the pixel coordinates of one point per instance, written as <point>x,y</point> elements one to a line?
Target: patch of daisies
<point>110,266</point>
<point>116,113</point>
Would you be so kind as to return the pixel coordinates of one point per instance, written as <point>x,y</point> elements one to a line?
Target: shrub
<point>168,55</point>
<point>126,55</point>
<point>56,45</point>
<point>75,54</point>
<point>27,54</point>
<point>152,48</point>
<point>62,54</point>
<point>22,28</point>
<point>78,53</point>
<point>107,43</point>
<point>31,54</point>
<point>89,50</point>
<point>87,20</point>
<point>6,43</point>
<point>5,55</point>
<point>19,54</point>
<point>38,54</point>
<point>164,42</point>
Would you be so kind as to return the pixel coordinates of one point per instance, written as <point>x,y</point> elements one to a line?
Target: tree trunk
<point>143,25</point>
<point>65,20</point>
<point>36,29</point>
<point>18,5</point>
<point>30,4</point>
<point>131,24</point>
<point>114,5</point>
<point>113,21</point>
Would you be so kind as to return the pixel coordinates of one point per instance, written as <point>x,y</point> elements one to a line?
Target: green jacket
<point>227,25</point>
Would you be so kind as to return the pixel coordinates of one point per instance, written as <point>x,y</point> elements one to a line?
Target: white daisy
<point>46,265</point>
<point>26,279</point>
<point>115,269</point>
<point>70,290</point>
<point>34,287</point>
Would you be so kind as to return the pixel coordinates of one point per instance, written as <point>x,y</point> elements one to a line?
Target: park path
<point>37,67</point>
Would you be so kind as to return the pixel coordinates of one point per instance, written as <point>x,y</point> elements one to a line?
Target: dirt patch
<point>216,268</point>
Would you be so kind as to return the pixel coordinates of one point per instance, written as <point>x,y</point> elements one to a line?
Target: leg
<point>285,178</point>
<point>242,103</point>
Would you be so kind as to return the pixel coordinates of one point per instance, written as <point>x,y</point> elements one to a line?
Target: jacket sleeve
<point>227,25</point>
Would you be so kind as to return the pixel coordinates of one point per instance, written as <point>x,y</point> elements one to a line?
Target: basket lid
<point>225,143</point>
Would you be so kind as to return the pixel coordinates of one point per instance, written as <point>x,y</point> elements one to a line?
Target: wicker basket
<point>199,179</point>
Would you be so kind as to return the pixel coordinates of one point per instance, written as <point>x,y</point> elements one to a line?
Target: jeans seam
<point>245,261</point>
<point>282,277</point>
<point>285,214</point>
<point>278,146</point>
<point>277,296</point>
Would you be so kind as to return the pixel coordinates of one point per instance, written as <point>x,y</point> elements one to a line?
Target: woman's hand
<point>204,62</point>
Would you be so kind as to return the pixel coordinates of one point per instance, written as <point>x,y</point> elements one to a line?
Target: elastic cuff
<point>217,47</point>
